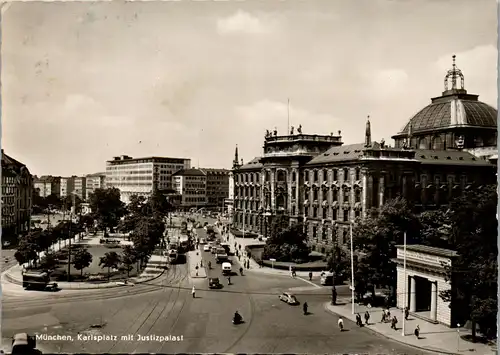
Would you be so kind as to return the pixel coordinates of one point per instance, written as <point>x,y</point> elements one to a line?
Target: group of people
<point>359,322</point>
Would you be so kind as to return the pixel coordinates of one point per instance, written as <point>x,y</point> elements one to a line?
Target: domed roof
<point>455,108</point>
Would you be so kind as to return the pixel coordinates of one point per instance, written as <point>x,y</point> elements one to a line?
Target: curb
<point>86,286</point>
<point>326,304</point>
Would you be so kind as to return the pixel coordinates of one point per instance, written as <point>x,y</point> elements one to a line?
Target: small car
<point>214,283</point>
<point>206,248</point>
<point>288,298</point>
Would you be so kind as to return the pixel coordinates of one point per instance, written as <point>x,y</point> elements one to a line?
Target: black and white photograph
<point>262,177</point>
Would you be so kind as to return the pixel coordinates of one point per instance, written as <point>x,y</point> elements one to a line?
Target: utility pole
<point>405,296</point>
<point>69,250</point>
<point>352,268</point>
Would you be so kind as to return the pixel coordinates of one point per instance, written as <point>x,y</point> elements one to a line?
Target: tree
<point>128,258</point>
<point>147,234</point>
<point>338,262</point>
<point>435,228</point>
<point>53,201</point>
<point>82,259</point>
<point>107,207</point>
<point>375,239</point>
<point>68,202</point>
<point>474,272</point>
<point>158,204</point>
<point>110,260</point>
<point>49,261</point>
<point>26,251</point>
<point>287,245</point>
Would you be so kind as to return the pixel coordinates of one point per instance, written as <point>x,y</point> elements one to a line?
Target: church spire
<point>368,133</point>
<point>236,163</point>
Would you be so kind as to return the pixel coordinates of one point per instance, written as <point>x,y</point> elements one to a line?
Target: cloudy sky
<point>83,82</point>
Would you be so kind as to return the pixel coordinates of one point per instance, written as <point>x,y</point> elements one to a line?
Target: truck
<point>37,281</point>
<point>221,255</point>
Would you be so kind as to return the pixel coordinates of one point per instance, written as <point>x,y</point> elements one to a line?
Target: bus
<point>172,256</point>
<point>35,280</point>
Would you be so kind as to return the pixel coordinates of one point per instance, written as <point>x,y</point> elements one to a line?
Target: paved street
<point>7,260</point>
<point>165,307</point>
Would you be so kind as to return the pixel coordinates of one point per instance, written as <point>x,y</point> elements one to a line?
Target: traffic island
<point>196,269</point>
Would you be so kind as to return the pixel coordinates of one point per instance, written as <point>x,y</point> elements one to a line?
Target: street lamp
<point>405,297</point>
<point>352,268</point>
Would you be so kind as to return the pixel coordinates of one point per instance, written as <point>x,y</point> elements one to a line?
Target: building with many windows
<point>47,185</point>
<point>17,189</point>
<point>142,176</point>
<point>67,186</point>
<point>317,180</point>
<point>94,181</point>
<point>217,187</point>
<point>80,189</point>
<point>191,185</point>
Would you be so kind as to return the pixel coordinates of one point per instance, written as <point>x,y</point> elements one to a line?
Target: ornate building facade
<point>325,184</point>
<point>17,189</point>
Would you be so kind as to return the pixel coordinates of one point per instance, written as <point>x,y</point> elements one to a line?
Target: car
<point>203,241</point>
<point>214,283</point>
<point>206,248</point>
<point>289,298</point>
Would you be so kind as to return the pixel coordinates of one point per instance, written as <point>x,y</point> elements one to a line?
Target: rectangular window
<point>325,213</point>
<point>357,214</point>
<point>334,214</point>
<point>358,174</point>
<point>325,175</point>
<point>346,174</point>
<point>315,212</point>
<point>335,175</point>
<point>346,215</point>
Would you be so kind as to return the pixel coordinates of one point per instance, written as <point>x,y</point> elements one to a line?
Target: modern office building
<point>47,185</point>
<point>67,186</point>
<point>17,189</point>
<point>191,185</point>
<point>80,187</point>
<point>94,181</point>
<point>319,181</point>
<point>142,176</point>
<point>217,187</point>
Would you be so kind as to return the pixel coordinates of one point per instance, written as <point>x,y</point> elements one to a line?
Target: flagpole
<point>352,270</point>
<point>405,298</point>
<point>288,114</point>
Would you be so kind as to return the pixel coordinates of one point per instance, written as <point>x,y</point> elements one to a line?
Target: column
<point>381,190</point>
<point>413,294</point>
<point>434,300</point>
<point>364,201</point>
<point>405,187</point>
<point>273,197</point>
<point>369,192</point>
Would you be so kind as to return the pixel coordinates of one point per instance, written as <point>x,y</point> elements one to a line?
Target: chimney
<point>368,133</point>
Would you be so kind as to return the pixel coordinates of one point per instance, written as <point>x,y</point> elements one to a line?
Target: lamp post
<point>405,296</point>
<point>352,269</point>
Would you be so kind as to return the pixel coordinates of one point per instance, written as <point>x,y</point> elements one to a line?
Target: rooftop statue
<point>275,132</point>
<point>299,129</point>
<point>291,130</point>
<point>268,134</point>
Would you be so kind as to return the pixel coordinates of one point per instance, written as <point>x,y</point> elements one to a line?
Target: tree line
<point>143,219</point>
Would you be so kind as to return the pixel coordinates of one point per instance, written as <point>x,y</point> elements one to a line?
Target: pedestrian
<point>291,271</point>
<point>367,317</point>
<point>388,314</point>
<point>383,316</point>
<point>395,322</point>
<point>304,307</point>
<point>417,331</point>
<point>294,273</point>
<point>310,275</point>
<point>359,322</point>
<point>239,257</point>
<point>193,291</point>
<point>341,324</point>
<point>407,313</point>
<point>248,264</point>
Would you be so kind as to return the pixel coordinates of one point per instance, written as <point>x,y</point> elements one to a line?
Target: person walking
<point>383,320</point>
<point>395,323</point>
<point>417,331</point>
<point>341,324</point>
<point>407,313</point>
<point>193,291</point>
<point>310,275</point>
<point>359,322</point>
<point>304,307</point>
<point>367,317</point>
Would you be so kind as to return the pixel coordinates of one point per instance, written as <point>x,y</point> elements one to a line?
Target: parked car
<point>214,283</point>
<point>206,247</point>
<point>289,298</point>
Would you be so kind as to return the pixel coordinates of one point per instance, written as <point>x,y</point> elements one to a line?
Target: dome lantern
<point>452,76</point>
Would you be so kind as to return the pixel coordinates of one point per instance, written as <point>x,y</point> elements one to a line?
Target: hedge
<point>283,265</point>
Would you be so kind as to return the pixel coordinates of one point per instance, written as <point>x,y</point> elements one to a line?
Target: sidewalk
<point>194,259</point>
<point>254,266</point>
<point>433,337</point>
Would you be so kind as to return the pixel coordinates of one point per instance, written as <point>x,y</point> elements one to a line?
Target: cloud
<point>242,22</point>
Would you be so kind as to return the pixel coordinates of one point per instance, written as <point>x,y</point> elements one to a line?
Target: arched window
<point>422,143</point>
<point>315,179</point>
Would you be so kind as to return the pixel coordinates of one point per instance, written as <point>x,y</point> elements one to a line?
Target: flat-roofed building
<point>94,181</point>
<point>191,185</point>
<point>142,176</point>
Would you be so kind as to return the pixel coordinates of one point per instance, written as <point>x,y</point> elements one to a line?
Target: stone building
<point>47,185</point>
<point>17,189</point>
<point>317,180</point>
